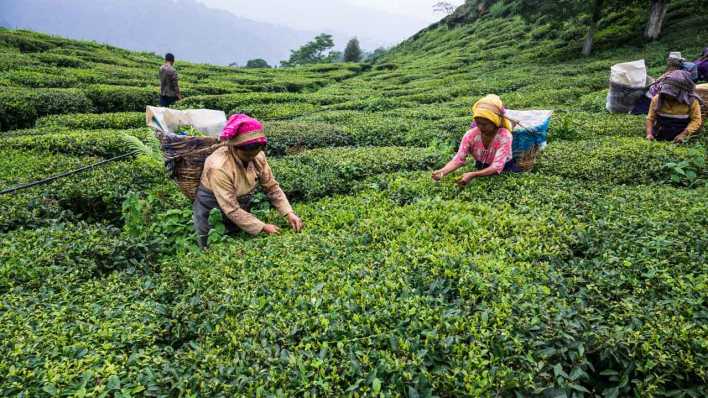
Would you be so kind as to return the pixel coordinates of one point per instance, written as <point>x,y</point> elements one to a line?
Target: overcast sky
<point>375,22</point>
<point>422,9</point>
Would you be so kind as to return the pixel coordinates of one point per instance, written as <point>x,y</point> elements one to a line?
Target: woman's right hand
<point>437,175</point>
<point>650,136</point>
<point>271,229</point>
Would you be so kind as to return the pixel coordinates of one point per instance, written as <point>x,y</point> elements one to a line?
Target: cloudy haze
<point>375,22</point>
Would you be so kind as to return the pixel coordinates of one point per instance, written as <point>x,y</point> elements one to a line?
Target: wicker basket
<point>702,91</point>
<point>184,159</point>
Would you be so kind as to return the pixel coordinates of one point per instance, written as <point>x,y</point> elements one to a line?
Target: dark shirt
<point>702,70</point>
<point>169,87</point>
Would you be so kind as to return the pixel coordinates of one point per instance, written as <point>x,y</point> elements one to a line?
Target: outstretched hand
<point>464,180</point>
<point>681,138</point>
<point>295,222</point>
<point>271,229</point>
<point>437,175</point>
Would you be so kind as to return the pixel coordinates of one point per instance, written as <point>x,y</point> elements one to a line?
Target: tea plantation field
<point>585,277</point>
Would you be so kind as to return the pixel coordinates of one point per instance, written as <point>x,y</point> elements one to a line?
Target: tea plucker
<point>230,176</point>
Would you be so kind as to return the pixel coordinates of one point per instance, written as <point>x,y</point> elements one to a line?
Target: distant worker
<point>230,176</point>
<point>702,66</point>
<point>675,61</point>
<point>675,112</point>
<point>169,85</point>
<point>489,142</point>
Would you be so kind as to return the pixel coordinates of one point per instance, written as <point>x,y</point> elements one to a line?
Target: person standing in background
<point>169,85</point>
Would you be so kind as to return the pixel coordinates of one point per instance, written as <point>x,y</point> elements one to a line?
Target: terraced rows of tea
<point>584,277</point>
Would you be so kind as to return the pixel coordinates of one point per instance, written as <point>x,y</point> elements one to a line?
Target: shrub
<point>90,121</point>
<point>92,196</point>
<point>611,160</point>
<point>20,108</point>
<point>328,171</point>
<point>292,137</point>
<point>121,99</point>
<point>28,78</point>
<point>103,143</point>
<point>64,61</point>
<point>76,252</point>
<point>23,42</point>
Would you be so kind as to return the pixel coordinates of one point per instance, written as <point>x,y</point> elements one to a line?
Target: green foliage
<point>285,138</point>
<point>125,99</point>
<point>92,121</point>
<point>353,53</point>
<point>72,251</point>
<point>257,63</point>
<point>312,53</point>
<point>20,108</point>
<point>583,278</point>
<point>690,171</point>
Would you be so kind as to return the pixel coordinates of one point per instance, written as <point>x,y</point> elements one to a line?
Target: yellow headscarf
<point>491,108</point>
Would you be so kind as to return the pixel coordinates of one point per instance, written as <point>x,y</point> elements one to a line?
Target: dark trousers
<point>509,167</point>
<point>667,128</point>
<point>167,101</point>
<point>204,202</point>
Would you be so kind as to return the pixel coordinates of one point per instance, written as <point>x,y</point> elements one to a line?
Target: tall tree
<point>257,63</point>
<point>656,18</point>
<point>353,53</point>
<point>597,6</point>
<point>313,52</point>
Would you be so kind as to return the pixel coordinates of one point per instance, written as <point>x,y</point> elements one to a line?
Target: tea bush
<point>91,121</point>
<point>69,253</point>
<point>583,278</point>
<point>19,108</point>
<point>95,196</point>
<point>116,98</point>
<point>292,137</point>
<point>103,143</point>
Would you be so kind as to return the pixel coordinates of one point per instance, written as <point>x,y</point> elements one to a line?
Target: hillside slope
<point>585,277</point>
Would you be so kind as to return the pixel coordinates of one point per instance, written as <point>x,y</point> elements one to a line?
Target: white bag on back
<point>166,120</point>
<point>628,82</point>
<point>631,74</point>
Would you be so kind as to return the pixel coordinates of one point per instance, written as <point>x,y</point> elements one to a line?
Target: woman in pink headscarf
<point>230,176</point>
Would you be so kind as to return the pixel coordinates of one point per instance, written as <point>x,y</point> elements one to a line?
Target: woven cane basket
<point>184,159</point>
<point>702,91</point>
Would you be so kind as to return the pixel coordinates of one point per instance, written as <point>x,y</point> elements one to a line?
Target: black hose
<point>68,173</point>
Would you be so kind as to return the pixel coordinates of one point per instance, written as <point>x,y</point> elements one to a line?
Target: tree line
<point>319,51</point>
<point>559,10</point>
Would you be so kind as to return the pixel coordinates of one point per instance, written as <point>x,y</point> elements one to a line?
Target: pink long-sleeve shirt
<point>496,155</point>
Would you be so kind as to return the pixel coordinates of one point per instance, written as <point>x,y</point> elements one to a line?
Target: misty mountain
<point>338,17</point>
<point>188,28</point>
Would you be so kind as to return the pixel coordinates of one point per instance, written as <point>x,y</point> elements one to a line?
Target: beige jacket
<point>229,179</point>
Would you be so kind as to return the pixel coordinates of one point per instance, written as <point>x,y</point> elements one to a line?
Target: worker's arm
<point>225,193</point>
<point>450,167</point>
<point>651,117</point>
<point>276,195</point>
<point>272,188</point>
<point>459,159</point>
<point>696,119</point>
<point>497,166</point>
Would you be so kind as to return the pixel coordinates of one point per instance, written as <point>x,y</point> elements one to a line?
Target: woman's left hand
<point>465,179</point>
<point>681,138</point>
<point>295,222</point>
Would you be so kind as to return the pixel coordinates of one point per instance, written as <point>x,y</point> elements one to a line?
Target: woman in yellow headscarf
<point>488,141</point>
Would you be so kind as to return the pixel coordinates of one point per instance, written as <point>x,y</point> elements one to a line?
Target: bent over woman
<point>230,176</point>
<point>489,143</point>
<point>675,112</point>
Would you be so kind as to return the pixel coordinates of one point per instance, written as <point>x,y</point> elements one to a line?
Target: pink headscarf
<point>242,130</point>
